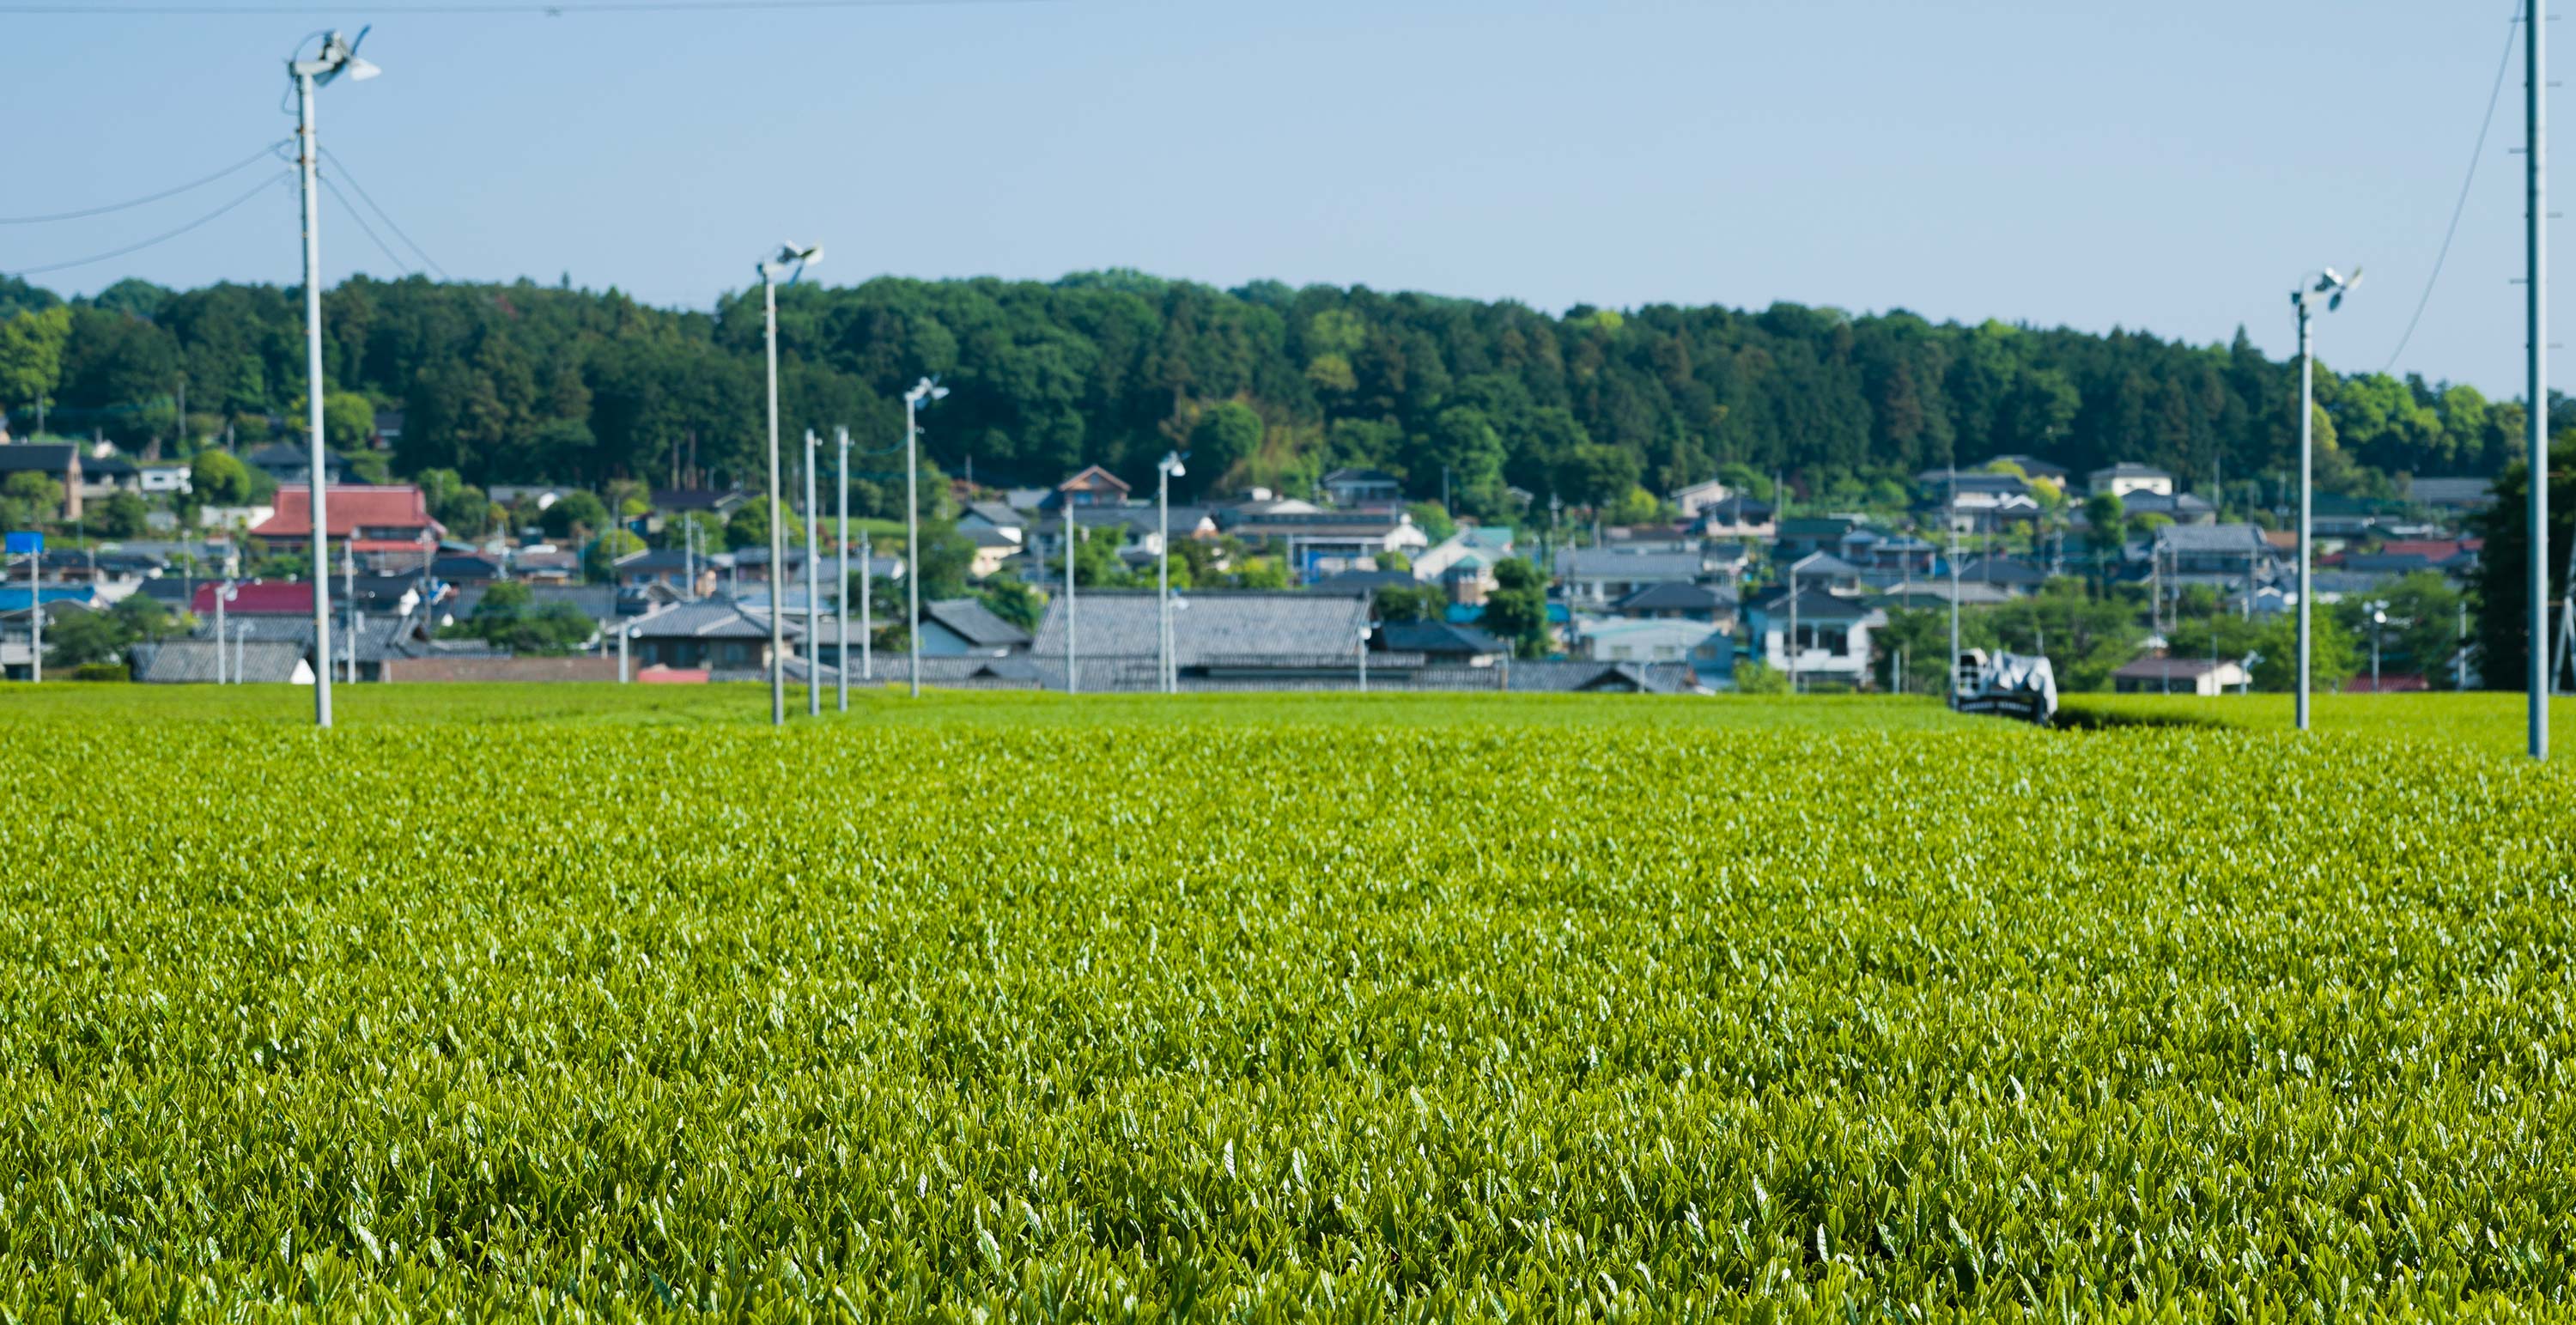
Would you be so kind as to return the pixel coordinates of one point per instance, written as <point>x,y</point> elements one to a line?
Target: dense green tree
<point>31,358</point>
<point>509,617</point>
<point>523,382</point>
<point>2503,589</point>
<point>122,515</point>
<point>573,514</point>
<point>216,478</point>
<point>75,638</point>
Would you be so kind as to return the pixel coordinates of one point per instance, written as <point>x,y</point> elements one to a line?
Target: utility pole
<point>2307,422</point>
<point>308,74</point>
<point>867,609</point>
<point>1950,517</point>
<point>841,587</point>
<point>2535,160</point>
<point>926,391</point>
<point>36,614</point>
<point>1071,685</point>
<point>813,602</point>
<point>777,535</point>
<point>790,257</point>
<point>2331,288</point>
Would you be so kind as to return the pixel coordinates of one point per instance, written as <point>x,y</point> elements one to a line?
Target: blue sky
<point>2170,167</point>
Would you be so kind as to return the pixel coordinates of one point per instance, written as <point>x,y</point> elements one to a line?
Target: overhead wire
<point>2513,31</point>
<point>364,228</point>
<point>492,7</point>
<point>251,160</point>
<point>166,235</point>
<point>381,214</point>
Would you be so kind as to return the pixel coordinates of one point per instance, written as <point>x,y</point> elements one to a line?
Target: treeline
<point>1265,383</point>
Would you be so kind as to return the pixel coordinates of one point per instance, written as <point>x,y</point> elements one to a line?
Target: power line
<point>384,216</point>
<point>277,178</point>
<point>2512,29</point>
<point>364,228</point>
<point>252,159</point>
<point>495,7</point>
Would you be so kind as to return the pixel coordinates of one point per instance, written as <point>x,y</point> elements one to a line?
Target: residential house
<point>676,569</point>
<point>1695,500</point>
<point>2179,507</point>
<point>2235,552</point>
<point>2162,675</point>
<point>546,564</point>
<point>2125,477</point>
<point>2010,574</point>
<point>59,461</point>
<point>2455,496</point>
<point>1000,517</point>
<point>1831,635</point>
<point>960,627</point>
<point>391,520</point>
<point>156,480</point>
<point>1330,541</point>
<point>1737,517</point>
<point>184,661</point>
<point>286,598</point>
<point>1815,533</point>
<point>103,476</point>
<point>1441,642</point>
<point>1708,651</point>
<point>1222,638</point>
<point>1093,486</point>
<point>1352,488</point>
<point>1824,572</point>
<point>714,635</point>
<point>1366,582</point>
<point>1481,545</point>
<point>1879,549</point>
<point>994,549</point>
<point>289,463</point>
<point>1706,604</point>
<point>1938,592</point>
<point>1597,577</point>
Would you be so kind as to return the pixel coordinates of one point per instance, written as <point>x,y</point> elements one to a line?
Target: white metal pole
<point>2307,409</point>
<point>36,616</point>
<point>318,480</point>
<point>1163,576</point>
<point>841,587</point>
<point>2536,424</point>
<point>219,630</point>
<point>1950,517</point>
<point>624,675</point>
<point>777,534</point>
<point>867,608</point>
<point>1071,686</point>
<point>813,587</point>
<point>912,540</point>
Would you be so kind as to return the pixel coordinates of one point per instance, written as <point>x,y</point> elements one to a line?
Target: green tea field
<point>596,1003</point>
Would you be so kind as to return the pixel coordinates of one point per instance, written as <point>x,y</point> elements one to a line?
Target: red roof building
<point>256,598</point>
<point>390,518</point>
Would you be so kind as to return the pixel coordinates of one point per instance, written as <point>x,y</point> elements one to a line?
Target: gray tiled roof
<point>1215,624</point>
<point>2224,538</point>
<point>194,660</point>
<point>1438,638</point>
<point>1674,597</point>
<point>1611,564</point>
<point>974,623</point>
<point>711,618</point>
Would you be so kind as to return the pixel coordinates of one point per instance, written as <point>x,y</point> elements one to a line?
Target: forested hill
<point>526,381</point>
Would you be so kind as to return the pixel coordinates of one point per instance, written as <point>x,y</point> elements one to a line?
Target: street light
<point>2331,289</point>
<point>338,56</point>
<point>1165,470</point>
<point>926,390</point>
<point>791,262</point>
<point>2378,622</point>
